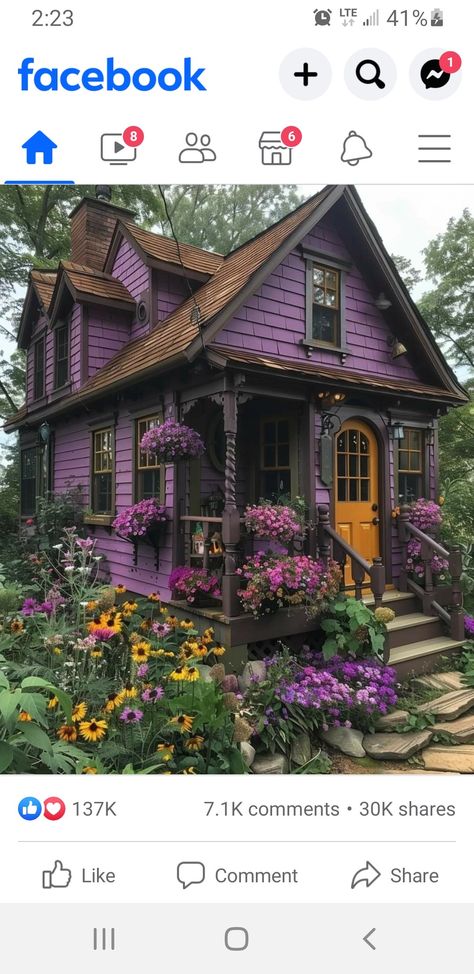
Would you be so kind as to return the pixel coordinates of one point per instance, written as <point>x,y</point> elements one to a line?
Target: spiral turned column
<point>230,517</point>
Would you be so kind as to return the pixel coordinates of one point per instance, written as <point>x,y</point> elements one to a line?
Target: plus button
<point>305,74</point>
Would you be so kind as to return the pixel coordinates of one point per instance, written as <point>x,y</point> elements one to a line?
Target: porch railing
<point>445,600</point>
<point>331,544</point>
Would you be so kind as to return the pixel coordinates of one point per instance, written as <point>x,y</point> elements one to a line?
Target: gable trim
<point>121,233</point>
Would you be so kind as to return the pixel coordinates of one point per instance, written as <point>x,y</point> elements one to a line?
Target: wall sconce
<point>331,398</point>
<point>45,432</point>
<point>398,431</point>
<point>382,302</point>
<point>398,348</point>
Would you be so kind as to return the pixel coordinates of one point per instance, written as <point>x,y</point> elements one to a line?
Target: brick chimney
<point>93,222</point>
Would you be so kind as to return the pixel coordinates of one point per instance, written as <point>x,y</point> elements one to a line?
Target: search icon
<point>370,77</point>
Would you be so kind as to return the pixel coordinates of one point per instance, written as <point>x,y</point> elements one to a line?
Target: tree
<point>410,274</point>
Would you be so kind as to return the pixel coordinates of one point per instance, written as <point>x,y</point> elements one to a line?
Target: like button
<point>58,878</point>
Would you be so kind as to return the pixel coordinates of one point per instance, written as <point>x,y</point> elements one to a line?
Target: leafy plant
<point>352,629</point>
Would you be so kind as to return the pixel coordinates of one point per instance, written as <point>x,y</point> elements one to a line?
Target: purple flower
<point>172,441</point>
<point>469,625</point>
<point>131,716</point>
<point>153,694</point>
<point>135,521</point>
<point>160,628</point>
<point>142,670</point>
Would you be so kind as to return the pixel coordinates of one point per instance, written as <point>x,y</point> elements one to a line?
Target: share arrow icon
<point>368,875</point>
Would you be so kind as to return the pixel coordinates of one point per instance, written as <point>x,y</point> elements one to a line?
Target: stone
<point>450,705</point>
<point>345,739</point>
<point>461,730</point>
<point>205,672</point>
<point>439,681</point>
<point>270,764</point>
<point>396,747</point>
<point>253,671</point>
<point>458,759</point>
<point>248,753</point>
<point>301,751</point>
<point>390,721</point>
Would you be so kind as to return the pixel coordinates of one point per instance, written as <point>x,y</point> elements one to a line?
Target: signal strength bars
<point>373,20</point>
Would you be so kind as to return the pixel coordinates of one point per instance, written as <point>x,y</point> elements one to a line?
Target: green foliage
<point>467,662</point>
<point>25,746</point>
<point>352,629</point>
<point>54,514</point>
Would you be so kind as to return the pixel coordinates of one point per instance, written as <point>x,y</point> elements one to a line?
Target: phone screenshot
<point>236,487</point>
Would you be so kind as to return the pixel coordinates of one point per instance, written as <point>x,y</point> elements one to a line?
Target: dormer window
<point>38,368</point>
<point>61,355</point>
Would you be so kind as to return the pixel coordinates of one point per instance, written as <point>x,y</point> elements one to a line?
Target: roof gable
<point>157,250</point>
<point>37,300</point>
<point>84,284</point>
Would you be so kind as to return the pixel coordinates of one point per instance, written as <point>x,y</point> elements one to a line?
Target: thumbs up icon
<point>58,878</point>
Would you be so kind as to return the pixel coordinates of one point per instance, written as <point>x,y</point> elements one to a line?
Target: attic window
<point>61,355</point>
<point>38,368</point>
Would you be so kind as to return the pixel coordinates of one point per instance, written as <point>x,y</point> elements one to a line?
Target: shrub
<point>352,629</point>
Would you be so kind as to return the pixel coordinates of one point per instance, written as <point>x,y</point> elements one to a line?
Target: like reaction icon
<point>57,878</point>
<point>29,808</point>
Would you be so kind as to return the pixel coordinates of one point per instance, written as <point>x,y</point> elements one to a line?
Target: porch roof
<point>317,372</point>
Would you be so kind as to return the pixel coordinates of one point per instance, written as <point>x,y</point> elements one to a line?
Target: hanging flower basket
<point>144,521</point>
<point>172,441</point>
<point>275,521</point>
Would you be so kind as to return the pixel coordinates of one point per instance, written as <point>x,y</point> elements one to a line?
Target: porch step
<point>405,629</point>
<point>402,603</point>
<point>421,656</point>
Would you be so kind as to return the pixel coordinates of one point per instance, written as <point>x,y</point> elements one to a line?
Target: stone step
<point>420,656</point>
<point>461,730</point>
<point>415,627</point>
<point>459,759</point>
<point>396,747</point>
<point>449,706</point>
<point>440,681</point>
<point>389,722</point>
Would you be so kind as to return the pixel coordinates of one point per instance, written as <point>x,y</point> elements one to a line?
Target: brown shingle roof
<point>313,370</point>
<point>43,283</point>
<point>90,282</point>
<point>161,248</point>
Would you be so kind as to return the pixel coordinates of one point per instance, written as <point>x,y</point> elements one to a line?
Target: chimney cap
<point>102,204</point>
<point>104,193</point>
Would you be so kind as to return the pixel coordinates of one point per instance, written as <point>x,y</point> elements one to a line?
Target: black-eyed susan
<point>120,589</point>
<point>96,652</point>
<point>154,597</point>
<point>93,730</point>
<point>79,711</point>
<point>192,674</point>
<point>145,625</point>
<point>194,743</point>
<point>172,621</point>
<point>89,769</point>
<point>17,626</point>
<point>113,701</point>
<point>186,624</point>
<point>129,691</point>
<point>24,716</point>
<point>200,651</point>
<point>130,607</point>
<point>52,703</point>
<point>110,621</point>
<point>183,723</point>
<point>166,751</point>
<point>218,650</point>
<point>67,732</point>
<point>178,675</point>
<point>140,652</point>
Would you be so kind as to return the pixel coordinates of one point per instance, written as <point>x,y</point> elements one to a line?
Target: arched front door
<point>357,512</point>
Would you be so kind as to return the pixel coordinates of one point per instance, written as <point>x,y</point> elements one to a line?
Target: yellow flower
<point>120,589</point>
<point>140,652</point>
<point>163,610</point>
<point>192,674</point>
<point>130,606</point>
<point>113,701</point>
<point>67,732</point>
<point>79,712</point>
<point>24,716</point>
<point>178,675</point>
<point>106,620</point>
<point>208,633</point>
<point>17,626</point>
<point>194,743</point>
<point>154,597</point>
<point>172,621</point>
<point>89,770</point>
<point>218,650</point>
<point>206,639</point>
<point>145,625</point>
<point>93,730</point>
<point>96,653</point>
<point>57,651</point>
<point>91,606</point>
<point>189,771</point>
<point>201,651</point>
<point>135,637</point>
<point>186,624</point>
<point>166,751</point>
<point>52,703</point>
<point>183,723</point>
<point>129,691</point>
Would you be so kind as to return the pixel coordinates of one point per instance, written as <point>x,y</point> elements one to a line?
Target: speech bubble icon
<point>191,873</point>
<point>433,75</point>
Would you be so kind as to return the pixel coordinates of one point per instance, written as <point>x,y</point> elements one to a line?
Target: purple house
<point>301,360</point>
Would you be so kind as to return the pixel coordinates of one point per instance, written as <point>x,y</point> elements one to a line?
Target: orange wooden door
<point>357,490</point>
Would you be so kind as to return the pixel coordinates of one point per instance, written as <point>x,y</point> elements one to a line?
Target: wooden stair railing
<point>446,601</point>
<point>331,543</point>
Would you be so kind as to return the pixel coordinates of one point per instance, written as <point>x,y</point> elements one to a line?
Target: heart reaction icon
<point>54,809</point>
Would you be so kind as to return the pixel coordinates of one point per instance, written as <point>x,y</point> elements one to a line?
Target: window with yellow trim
<point>410,466</point>
<point>148,469</point>
<point>102,471</point>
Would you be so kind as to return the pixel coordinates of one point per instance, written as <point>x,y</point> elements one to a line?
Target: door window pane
<point>353,466</point>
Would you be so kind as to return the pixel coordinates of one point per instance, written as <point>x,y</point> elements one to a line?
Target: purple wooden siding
<point>172,291</point>
<point>75,347</point>
<point>72,456</point>
<point>109,331</point>
<point>40,325</point>
<point>130,269</point>
<point>273,320</point>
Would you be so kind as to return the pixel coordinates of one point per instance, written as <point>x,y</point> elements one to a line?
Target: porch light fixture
<point>45,432</point>
<point>398,431</point>
<point>382,302</point>
<point>331,398</point>
<point>398,348</point>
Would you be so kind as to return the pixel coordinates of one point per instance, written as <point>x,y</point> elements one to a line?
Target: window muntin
<point>61,356</point>
<point>410,466</point>
<point>102,471</point>
<point>148,467</point>
<point>275,461</point>
<point>326,302</point>
<point>38,368</point>
<point>28,482</point>
<point>353,466</point>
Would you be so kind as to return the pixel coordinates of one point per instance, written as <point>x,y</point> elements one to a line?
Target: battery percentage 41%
<point>403,18</point>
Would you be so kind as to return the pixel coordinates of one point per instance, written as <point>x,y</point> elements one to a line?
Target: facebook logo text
<point>110,78</point>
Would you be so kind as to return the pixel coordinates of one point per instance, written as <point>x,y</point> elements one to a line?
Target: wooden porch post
<point>404,537</point>
<point>457,613</point>
<point>230,515</point>
<point>179,499</point>
<point>311,478</point>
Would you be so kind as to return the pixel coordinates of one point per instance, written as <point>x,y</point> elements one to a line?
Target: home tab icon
<point>39,145</point>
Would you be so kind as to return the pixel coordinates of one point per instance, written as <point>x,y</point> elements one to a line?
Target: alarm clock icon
<point>322,18</point>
